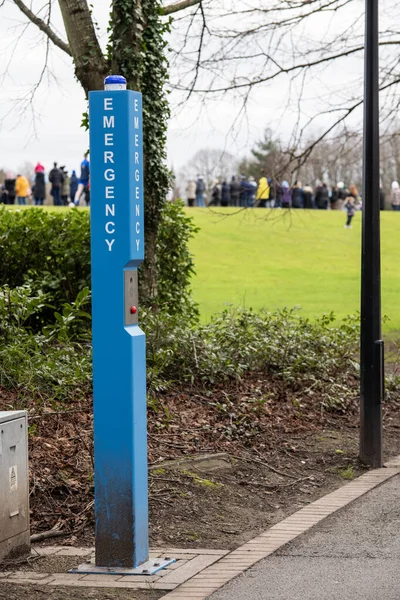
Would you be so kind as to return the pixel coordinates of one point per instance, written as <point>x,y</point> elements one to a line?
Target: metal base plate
<point>151,567</point>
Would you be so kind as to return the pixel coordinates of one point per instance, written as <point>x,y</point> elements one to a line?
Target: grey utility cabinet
<point>14,485</point>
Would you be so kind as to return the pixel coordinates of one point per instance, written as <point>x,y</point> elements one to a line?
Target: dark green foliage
<point>52,365</point>
<point>317,356</point>
<point>268,158</point>
<point>156,110</point>
<point>314,358</point>
<point>156,115</point>
<point>51,252</point>
<point>49,249</point>
<point>137,50</point>
<point>124,47</point>
<point>175,264</point>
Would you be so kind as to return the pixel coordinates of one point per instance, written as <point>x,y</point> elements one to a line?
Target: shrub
<point>45,320</point>
<point>317,356</point>
<point>175,264</point>
<point>50,251</point>
<point>53,365</point>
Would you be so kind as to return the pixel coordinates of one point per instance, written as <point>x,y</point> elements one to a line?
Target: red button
<point>133,310</point>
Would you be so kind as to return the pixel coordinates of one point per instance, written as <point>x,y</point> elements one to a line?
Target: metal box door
<point>14,499</point>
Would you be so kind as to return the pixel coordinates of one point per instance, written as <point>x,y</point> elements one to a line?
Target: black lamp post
<point>372,352</point>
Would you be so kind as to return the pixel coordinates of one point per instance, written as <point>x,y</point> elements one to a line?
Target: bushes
<point>45,349</point>
<point>175,264</point>
<point>300,356</point>
<point>305,355</point>
<point>54,365</point>
<point>51,252</point>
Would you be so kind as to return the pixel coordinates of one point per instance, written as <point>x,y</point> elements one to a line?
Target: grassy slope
<point>260,258</point>
<point>273,259</point>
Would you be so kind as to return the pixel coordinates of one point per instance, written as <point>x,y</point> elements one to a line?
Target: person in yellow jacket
<point>22,189</point>
<point>263,192</point>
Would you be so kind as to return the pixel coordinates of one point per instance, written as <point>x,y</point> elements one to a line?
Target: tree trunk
<point>156,116</point>
<point>127,42</point>
<point>137,53</point>
<point>136,50</point>
<point>90,65</point>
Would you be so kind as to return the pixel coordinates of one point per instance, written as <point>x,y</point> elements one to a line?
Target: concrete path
<point>352,555</point>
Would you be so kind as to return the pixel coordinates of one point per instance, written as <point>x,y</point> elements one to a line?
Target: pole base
<point>150,567</point>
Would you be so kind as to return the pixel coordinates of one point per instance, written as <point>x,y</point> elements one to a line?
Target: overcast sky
<point>49,129</point>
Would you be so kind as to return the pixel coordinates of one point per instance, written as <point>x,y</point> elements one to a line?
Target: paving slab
<point>188,564</point>
<point>311,543</point>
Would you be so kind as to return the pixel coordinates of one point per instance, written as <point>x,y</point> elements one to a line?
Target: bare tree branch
<point>25,104</point>
<point>178,6</point>
<point>248,45</point>
<point>45,27</point>
<point>284,70</point>
<point>197,69</point>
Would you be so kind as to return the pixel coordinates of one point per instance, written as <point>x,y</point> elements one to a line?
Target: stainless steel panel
<point>131,297</point>
<point>10,415</point>
<point>14,500</point>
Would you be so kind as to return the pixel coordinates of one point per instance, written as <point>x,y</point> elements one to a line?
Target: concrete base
<point>151,567</point>
<point>16,546</point>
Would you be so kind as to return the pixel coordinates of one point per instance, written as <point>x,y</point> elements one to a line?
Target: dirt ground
<point>217,478</point>
<point>221,501</point>
<point>8,591</point>
<point>225,503</point>
<point>280,450</point>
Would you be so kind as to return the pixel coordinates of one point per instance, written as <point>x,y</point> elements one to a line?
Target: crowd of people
<point>69,190</point>
<point>270,193</point>
<point>65,189</point>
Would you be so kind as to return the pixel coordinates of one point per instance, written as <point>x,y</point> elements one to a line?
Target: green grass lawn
<point>273,259</point>
<point>303,258</point>
<point>48,207</point>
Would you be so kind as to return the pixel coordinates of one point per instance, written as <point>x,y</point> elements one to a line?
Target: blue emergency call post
<point>119,359</point>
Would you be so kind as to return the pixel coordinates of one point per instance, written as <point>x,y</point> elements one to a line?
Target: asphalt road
<point>352,555</point>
